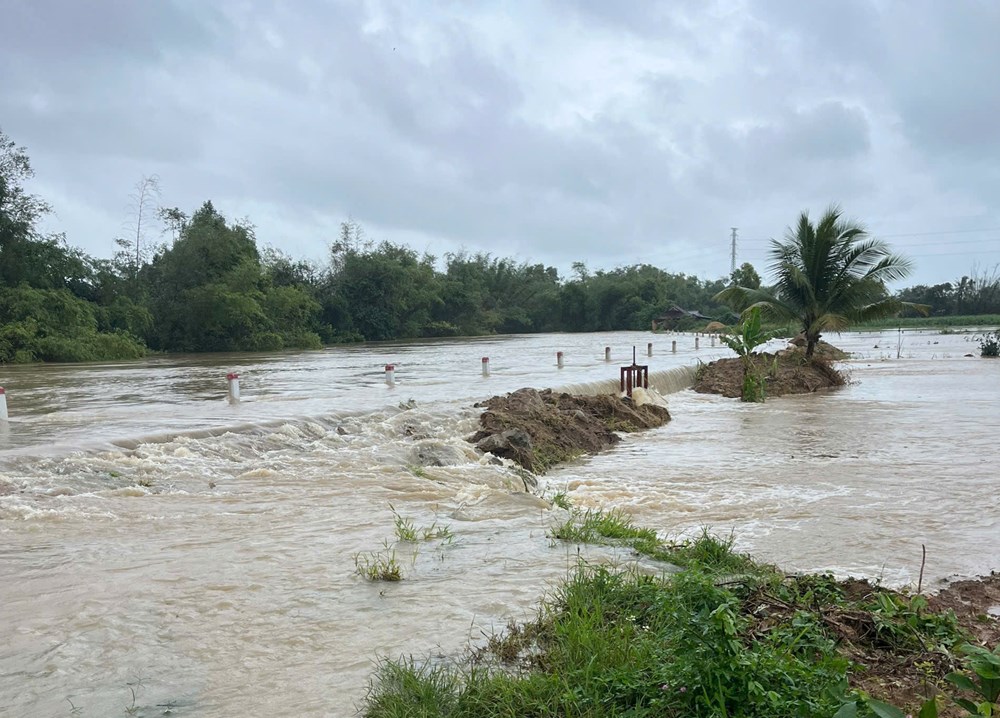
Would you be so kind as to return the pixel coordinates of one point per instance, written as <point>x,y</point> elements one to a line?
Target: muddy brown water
<point>155,539</point>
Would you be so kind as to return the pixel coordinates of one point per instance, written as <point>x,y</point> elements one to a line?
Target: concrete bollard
<point>696,342</point>
<point>649,349</point>
<point>673,346</point>
<point>234,387</point>
<point>607,353</point>
<point>390,374</point>
<point>486,366</point>
<point>712,340</point>
<point>3,404</point>
<point>559,359</point>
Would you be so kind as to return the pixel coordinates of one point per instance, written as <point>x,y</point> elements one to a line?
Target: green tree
<point>745,276</point>
<point>829,275</point>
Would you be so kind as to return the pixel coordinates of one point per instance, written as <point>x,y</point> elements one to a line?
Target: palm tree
<point>830,275</point>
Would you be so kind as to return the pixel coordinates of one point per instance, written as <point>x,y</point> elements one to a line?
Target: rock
<point>436,453</point>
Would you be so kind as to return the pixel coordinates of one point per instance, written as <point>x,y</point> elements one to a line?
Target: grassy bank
<point>974,320</point>
<point>720,636</point>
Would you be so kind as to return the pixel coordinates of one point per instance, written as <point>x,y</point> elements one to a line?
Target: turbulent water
<point>166,553</point>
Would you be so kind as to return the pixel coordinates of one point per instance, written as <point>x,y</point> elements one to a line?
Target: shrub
<point>989,344</point>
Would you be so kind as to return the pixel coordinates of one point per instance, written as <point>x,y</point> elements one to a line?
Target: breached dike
<point>665,382</point>
<point>538,429</point>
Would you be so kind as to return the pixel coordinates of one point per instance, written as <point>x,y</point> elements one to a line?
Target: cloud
<point>553,131</point>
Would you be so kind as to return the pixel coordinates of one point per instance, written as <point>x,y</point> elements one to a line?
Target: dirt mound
<point>538,429</point>
<point>786,373</point>
<point>823,349</point>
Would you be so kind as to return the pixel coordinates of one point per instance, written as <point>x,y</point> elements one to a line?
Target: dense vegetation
<point>211,287</point>
<point>720,636</point>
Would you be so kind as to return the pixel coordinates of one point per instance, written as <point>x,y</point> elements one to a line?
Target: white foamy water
<point>154,538</point>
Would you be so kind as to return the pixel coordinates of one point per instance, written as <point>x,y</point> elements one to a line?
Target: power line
<point>986,240</point>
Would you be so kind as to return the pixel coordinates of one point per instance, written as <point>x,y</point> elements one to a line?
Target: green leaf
<point>884,710</point>
<point>929,709</point>
<point>968,705</point>
<point>848,710</point>
<point>961,680</point>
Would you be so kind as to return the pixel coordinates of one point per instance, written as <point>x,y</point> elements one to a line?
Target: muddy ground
<point>907,678</point>
<point>785,372</point>
<point>538,429</point>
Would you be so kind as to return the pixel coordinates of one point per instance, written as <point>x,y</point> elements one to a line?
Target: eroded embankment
<point>784,372</point>
<point>538,429</point>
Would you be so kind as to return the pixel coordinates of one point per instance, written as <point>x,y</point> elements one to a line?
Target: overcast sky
<point>605,132</point>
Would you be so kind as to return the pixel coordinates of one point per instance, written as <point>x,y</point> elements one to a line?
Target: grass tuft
<point>378,565</point>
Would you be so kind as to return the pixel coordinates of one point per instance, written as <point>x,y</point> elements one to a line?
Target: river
<point>167,553</point>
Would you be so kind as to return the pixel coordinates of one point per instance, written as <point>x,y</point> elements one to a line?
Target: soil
<point>786,372</point>
<point>908,678</point>
<point>538,429</point>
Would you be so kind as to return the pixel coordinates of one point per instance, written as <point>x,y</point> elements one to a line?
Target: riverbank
<point>709,633</point>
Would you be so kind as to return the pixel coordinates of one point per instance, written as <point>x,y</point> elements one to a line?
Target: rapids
<point>165,552</point>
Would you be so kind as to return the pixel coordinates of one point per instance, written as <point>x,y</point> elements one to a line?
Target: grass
<point>406,530</point>
<point>561,499</point>
<point>724,637</point>
<point>968,320</point>
<point>378,565</point>
<point>615,527</point>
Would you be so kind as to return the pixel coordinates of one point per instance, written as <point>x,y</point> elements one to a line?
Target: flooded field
<point>162,550</point>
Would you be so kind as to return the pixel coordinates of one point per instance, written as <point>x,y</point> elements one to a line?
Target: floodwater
<point>165,553</point>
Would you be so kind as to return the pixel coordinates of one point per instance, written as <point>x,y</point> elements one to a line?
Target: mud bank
<point>538,429</point>
<point>786,372</point>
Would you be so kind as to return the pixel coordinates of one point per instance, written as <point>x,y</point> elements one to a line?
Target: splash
<point>670,381</point>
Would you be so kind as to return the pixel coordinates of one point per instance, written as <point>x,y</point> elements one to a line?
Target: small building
<point>674,315</point>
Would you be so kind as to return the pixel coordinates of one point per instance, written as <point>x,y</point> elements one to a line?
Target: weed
<point>619,643</point>
<point>614,526</point>
<point>711,553</point>
<point>989,344</point>
<point>561,499</point>
<point>904,623</point>
<point>707,551</point>
<point>378,565</point>
<point>984,682</point>
<point>436,531</point>
<point>406,530</point>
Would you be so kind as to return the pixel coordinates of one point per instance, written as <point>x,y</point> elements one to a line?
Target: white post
<point>234,387</point>
<point>3,404</point>
<point>559,359</point>
<point>607,353</point>
<point>486,366</point>
<point>673,346</point>
<point>713,340</point>
<point>696,342</point>
<point>649,349</point>
<point>390,374</point>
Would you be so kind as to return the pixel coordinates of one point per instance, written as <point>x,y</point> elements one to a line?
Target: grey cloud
<point>417,119</point>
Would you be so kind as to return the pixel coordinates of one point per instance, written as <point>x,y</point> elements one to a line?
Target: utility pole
<point>732,253</point>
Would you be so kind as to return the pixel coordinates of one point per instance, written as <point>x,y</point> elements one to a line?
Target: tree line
<point>207,285</point>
